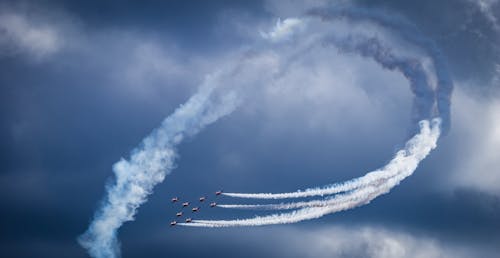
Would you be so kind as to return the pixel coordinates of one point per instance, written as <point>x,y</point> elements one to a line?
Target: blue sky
<point>82,83</point>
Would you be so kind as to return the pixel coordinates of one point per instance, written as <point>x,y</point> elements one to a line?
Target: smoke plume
<point>401,166</point>
<point>148,165</point>
<point>430,103</point>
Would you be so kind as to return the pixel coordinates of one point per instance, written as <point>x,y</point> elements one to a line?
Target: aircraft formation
<point>194,209</point>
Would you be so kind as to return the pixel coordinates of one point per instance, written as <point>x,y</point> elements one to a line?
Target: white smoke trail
<point>410,68</point>
<point>356,194</point>
<point>154,158</point>
<point>346,186</point>
<point>148,166</point>
<point>402,166</point>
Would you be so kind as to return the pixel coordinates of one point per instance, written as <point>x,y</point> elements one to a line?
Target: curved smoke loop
<point>429,104</point>
<point>403,165</point>
<point>154,158</point>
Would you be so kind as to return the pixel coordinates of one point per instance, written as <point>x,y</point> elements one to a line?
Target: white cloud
<point>286,8</point>
<point>374,242</point>
<point>324,87</point>
<point>283,29</point>
<point>149,62</point>
<point>486,6</point>
<point>18,33</point>
<point>318,86</point>
<point>476,131</point>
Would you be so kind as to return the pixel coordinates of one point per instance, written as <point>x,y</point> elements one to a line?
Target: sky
<point>82,83</point>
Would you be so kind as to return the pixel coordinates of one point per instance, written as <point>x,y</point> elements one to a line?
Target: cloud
<point>147,66</point>
<point>375,242</point>
<point>477,138</point>
<point>20,34</point>
<point>283,29</point>
<point>317,241</point>
<point>486,7</point>
<point>287,8</point>
<point>319,85</point>
<point>314,99</point>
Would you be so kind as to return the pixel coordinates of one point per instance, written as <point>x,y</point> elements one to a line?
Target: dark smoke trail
<point>410,33</point>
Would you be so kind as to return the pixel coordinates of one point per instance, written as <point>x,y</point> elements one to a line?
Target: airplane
<point>218,192</point>
<point>173,223</point>
<point>175,199</point>
<point>189,220</point>
<point>213,204</point>
<point>195,209</point>
<point>185,204</point>
<point>178,214</point>
<point>202,198</point>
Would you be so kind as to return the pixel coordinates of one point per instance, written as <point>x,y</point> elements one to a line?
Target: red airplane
<point>175,199</point>
<point>213,204</point>
<point>218,192</point>
<point>202,199</point>
<point>178,214</point>
<point>185,204</point>
<point>189,220</point>
<point>173,223</point>
<point>195,209</point>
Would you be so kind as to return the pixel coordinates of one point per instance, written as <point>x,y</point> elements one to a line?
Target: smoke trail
<point>362,190</point>
<point>148,165</point>
<point>358,193</point>
<point>411,69</point>
<point>355,194</point>
<point>415,151</point>
<point>410,33</point>
<point>423,94</point>
<point>155,158</point>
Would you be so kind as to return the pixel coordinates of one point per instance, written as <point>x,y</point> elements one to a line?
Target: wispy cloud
<point>20,34</point>
<point>283,29</point>
<point>477,160</point>
<point>375,242</point>
<point>486,7</point>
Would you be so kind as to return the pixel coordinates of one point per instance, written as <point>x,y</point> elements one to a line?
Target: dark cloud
<point>65,119</point>
<point>465,34</point>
